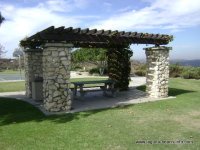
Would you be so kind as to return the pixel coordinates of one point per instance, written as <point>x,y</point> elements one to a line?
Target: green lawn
<point>20,86</point>
<point>12,86</point>
<point>24,127</point>
<point>11,72</point>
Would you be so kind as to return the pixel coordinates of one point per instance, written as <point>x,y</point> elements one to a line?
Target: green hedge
<point>191,73</point>
<point>175,70</point>
<point>186,72</point>
<point>140,73</point>
<point>94,70</point>
<point>140,70</point>
<point>97,71</point>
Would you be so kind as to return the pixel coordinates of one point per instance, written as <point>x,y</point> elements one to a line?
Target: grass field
<point>12,86</point>
<point>11,72</point>
<point>20,86</point>
<point>24,127</point>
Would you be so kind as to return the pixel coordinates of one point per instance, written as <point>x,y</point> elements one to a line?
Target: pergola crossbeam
<point>77,36</point>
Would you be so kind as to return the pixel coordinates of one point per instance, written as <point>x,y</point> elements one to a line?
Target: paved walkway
<point>95,100</point>
<point>11,77</point>
<point>11,80</point>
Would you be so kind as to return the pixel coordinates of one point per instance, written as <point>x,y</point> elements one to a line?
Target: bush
<point>191,73</point>
<point>94,70</point>
<point>140,72</point>
<point>75,67</point>
<point>97,71</point>
<point>175,70</point>
<point>185,75</point>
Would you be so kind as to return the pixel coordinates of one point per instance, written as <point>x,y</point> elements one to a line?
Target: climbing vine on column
<point>119,66</point>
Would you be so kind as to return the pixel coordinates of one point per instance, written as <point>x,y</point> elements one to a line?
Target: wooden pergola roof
<point>94,38</point>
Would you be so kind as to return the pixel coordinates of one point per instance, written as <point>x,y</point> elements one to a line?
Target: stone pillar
<point>33,68</point>
<point>56,75</point>
<point>157,71</point>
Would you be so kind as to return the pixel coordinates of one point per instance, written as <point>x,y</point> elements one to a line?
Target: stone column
<point>56,75</point>
<point>33,68</point>
<point>157,71</point>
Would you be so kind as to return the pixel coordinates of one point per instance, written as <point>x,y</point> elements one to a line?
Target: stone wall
<point>157,71</point>
<point>56,75</point>
<point>33,68</point>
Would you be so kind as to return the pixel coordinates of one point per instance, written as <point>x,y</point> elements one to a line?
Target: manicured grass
<point>20,86</point>
<point>24,127</point>
<point>12,86</point>
<point>11,72</point>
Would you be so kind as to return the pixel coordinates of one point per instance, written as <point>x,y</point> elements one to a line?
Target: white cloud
<point>125,9</point>
<point>64,5</point>
<point>159,14</point>
<point>21,22</point>
<point>82,3</point>
<point>57,5</point>
<point>162,14</point>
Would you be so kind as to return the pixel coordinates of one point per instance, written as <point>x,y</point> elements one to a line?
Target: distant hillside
<point>194,63</point>
<point>182,62</point>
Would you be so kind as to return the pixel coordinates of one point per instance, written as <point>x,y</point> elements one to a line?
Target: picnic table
<point>105,86</point>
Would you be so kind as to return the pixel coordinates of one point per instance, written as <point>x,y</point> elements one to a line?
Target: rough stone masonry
<point>33,68</point>
<point>56,75</point>
<point>52,64</point>
<point>157,71</point>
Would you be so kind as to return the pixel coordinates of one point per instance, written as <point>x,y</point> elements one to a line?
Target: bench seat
<point>91,86</point>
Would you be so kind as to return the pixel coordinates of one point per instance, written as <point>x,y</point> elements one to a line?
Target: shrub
<point>140,72</point>
<point>175,70</point>
<point>191,73</point>
<point>76,67</point>
<point>97,71</point>
<point>185,74</point>
<point>94,70</point>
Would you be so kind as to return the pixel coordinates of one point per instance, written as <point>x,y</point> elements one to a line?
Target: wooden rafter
<point>95,38</point>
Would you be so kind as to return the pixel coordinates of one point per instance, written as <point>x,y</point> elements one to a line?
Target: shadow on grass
<point>172,91</point>
<point>13,111</point>
<point>176,92</point>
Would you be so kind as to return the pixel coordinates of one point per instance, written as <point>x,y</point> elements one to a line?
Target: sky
<point>180,18</point>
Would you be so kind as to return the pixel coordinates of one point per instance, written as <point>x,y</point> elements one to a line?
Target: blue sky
<point>180,18</point>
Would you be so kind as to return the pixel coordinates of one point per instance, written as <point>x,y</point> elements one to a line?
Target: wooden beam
<point>121,33</point>
<point>95,36</point>
<point>113,33</point>
<point>107,32</point>
<point>58,30</point>
<point>99,32</point>
<point>67,30</point>
<point>84,31</point>
<point>77,30</point>
<point>93,31</point>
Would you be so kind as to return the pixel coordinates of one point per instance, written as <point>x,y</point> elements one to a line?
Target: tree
<point>2,50</point>
<point>92,55</point>
<point>2,63</point>
<point>18,52</point>
<point>1,47</point>
<point>95,56</point>
<point>1,19</point>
